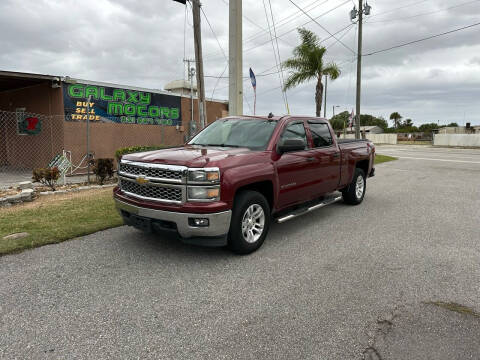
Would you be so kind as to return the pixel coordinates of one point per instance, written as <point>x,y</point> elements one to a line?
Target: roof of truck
<point>277,118</point>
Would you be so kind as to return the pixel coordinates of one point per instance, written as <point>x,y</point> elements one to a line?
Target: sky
<point>143,43</point>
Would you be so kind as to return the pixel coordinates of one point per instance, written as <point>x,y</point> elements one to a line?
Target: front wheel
<point>250,222</point>
<point>354,193</point>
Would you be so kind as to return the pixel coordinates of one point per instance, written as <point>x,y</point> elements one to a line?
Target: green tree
<point>307,63</point>
<point>427,128</point>
<point>396,117</point>
<point>370,120</point>
<point>453,124</point>
<point>340,120</point>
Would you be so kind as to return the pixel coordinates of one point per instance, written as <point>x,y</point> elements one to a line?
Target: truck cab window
<point>320,134</point>
<point>294,131</point>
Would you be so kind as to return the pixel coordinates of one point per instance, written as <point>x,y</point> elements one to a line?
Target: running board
<point>304,211</point>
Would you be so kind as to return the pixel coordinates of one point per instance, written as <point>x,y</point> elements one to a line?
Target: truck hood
<point>190,156</point>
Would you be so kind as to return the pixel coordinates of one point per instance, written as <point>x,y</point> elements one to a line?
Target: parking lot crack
<point>384,325</point>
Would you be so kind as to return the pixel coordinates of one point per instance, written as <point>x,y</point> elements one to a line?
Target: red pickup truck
<point>227,184</point>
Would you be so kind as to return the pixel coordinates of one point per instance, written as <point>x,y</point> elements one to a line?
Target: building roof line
<point>70,80</point>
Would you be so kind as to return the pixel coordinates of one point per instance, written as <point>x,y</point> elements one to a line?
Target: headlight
<point>199,193</point>
<point>204,175</point>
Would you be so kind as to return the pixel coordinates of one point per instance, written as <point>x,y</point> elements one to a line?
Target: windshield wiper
<point>220,145</point>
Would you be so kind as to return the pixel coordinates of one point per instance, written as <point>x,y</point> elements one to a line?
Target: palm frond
<point>295,79</point>
<point>332,70</point>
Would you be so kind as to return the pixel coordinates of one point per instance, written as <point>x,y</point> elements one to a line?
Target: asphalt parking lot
<point>377,281</point>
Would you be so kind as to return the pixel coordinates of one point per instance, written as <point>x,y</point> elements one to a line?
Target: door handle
<point>336,155</point>
<point>311,158</point>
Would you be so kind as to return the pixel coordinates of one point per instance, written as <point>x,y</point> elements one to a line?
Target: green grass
<point>414,142</point>
<point>53,219</point>
<point>383,158</point>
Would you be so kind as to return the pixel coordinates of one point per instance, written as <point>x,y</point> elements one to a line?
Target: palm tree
<point>307,63</point>
<point>395,116</point>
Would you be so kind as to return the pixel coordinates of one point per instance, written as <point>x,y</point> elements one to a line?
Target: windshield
<point>250,133</point>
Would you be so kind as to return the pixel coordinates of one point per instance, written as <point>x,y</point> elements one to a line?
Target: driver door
<point>294,168</point>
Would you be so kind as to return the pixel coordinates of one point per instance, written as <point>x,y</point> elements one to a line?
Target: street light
<point>333,109</point>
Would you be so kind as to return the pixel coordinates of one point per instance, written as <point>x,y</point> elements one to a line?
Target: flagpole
<point>254,85</point>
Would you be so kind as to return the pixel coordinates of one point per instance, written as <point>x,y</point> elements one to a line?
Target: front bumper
<point>219,223</point>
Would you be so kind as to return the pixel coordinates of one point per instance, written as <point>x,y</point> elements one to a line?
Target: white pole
<point>235,54</point>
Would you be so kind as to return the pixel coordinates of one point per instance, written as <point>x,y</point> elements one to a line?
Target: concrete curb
<point>28,194</point>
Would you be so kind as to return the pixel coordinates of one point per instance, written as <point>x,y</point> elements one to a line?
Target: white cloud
<point>142,44</point>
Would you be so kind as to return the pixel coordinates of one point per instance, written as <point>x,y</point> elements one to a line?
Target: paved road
<point>340,283</point>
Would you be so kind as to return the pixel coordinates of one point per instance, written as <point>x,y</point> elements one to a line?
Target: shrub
<point>134,149</point>
<point>103,169</point>
<point>46,176</point>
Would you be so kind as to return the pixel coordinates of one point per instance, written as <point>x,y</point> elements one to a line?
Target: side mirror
<point>288,145</point>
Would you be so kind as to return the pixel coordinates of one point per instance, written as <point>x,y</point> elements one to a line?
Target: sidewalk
<point>11,177</point>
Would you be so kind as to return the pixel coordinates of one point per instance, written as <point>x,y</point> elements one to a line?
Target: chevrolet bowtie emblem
<point>141,180</point>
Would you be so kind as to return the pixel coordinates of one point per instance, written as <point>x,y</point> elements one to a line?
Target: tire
<point>354,193</point>
<point>248,228</point>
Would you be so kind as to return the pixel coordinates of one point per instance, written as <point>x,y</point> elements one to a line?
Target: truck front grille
<point>153,192</point>
<point>151,171</point>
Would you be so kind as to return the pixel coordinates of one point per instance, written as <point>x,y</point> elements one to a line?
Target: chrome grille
<point>154,192</point>
<point>151,172</point>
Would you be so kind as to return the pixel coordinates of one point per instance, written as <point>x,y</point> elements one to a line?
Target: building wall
<point>29,151</point>
<point>376,138</point>
<point>461,140</point>
<point>106,138</point>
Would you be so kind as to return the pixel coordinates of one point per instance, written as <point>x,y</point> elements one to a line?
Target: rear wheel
<point>250,222</point>
<point>354,193</point>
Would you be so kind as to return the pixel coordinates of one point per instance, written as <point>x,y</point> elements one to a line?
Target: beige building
<point>459,130</point>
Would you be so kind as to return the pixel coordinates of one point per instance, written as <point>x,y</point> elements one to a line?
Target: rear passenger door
<point>327,154</point>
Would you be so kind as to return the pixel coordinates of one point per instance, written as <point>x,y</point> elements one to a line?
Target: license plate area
<point>142,223</point>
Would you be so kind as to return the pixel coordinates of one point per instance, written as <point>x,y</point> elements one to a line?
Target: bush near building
<point>134,149</point>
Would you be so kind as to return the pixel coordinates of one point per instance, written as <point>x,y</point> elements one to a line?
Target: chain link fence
<point>29,141</point>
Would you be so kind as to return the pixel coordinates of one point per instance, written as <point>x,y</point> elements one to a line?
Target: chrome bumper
<point>219,223</point>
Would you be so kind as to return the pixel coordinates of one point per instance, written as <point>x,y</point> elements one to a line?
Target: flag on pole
<point>254,85</point>
<point>350,120</point>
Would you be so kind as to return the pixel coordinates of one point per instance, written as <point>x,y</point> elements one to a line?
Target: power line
<point>296,27</point>
<point>416,3</point>
<point>316,22</point>
<point>423,39</point>
<point>274,53</point>
<point>215,35</point>
<point>244,77</point>
<point>253,36</point>
<point>279,59</point>
<point>348,28</point>
<point>423,14</point>
<point>280,23</point>
<point>287,19</point>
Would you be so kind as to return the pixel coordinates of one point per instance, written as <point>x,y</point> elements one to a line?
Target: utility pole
<point>191,74</point>
<point>333,110</point>
<point>197,39</point>
<point>325,101</point>
<point>353,14</point>
<point>235,54</point>
<point>88,138</point>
